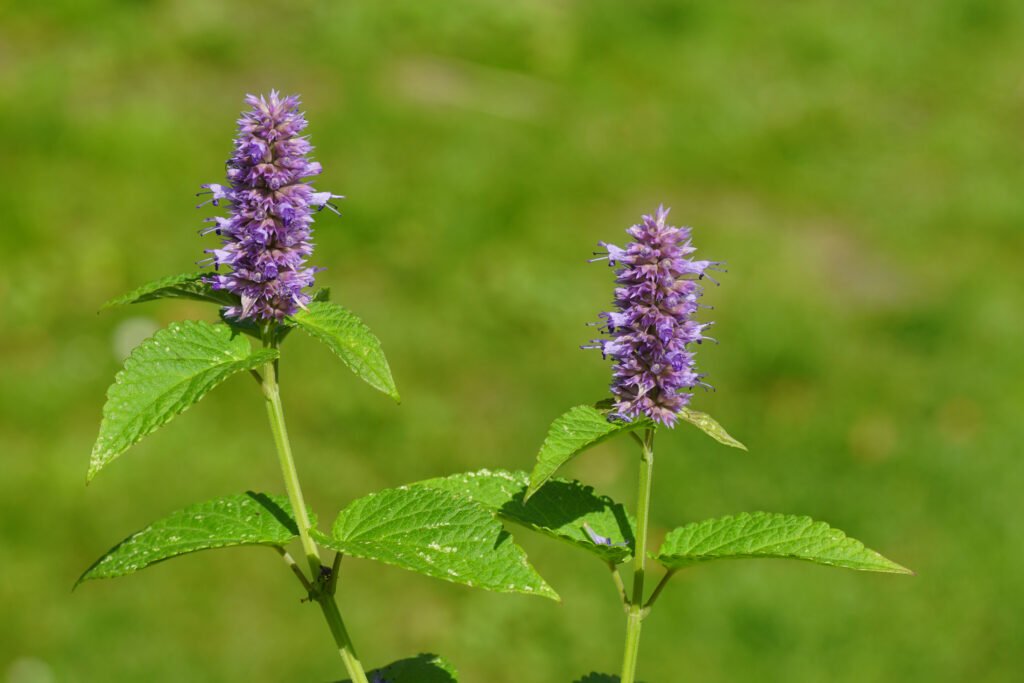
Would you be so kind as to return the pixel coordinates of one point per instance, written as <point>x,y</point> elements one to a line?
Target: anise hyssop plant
<point>451,527</point>
<point>261,283</point>
<point>650,338</point>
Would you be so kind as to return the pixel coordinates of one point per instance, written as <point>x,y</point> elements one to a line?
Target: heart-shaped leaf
<point>566,510</point>
<point>163,377</point>
<point>570,434</point>
<point>247,519</point>
<point>351,340</point>
<point>769,535</point>
<point>438,534</point>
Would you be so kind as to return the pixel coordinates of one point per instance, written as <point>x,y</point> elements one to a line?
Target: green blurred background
<point>859,166</point>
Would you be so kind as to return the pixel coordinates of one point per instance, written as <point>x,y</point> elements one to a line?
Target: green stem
<point>325,599</point>
<point>291,476</point>
<point>636,604</point>
<point>341,637</point>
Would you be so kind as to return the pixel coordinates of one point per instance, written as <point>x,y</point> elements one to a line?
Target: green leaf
<point>351,340</point>
<point>165,375</point>
<point>438,534</point>
<point>494,489</point>
<point>562,509</point>
<point>420,669</point>
<point>599,678</point>
<point>184,286</point>
<point>570,435</point>
<point>767,534</point>
<point>709,426</point>
<point>246,519</point>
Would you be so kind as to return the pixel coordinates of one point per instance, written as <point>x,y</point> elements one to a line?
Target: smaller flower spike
<point>265,241</point>
<point>652,326</point>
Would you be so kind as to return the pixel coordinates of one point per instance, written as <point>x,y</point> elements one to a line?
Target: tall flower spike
<point>265,241</point>
<point>653,326</point>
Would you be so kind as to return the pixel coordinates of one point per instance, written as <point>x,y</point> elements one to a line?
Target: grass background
<point>859,166</point>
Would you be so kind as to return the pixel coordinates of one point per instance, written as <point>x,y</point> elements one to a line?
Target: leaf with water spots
<point>570,434</point>
<point>566,510</point>
<point>438,534</point>
<point>348,337</point>
<point>246,519</point>
<point>769,535</point>
<point>163,377</point>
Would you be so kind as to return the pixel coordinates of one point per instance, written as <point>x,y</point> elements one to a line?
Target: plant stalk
<point>325,598</point>
<point>636,603</point>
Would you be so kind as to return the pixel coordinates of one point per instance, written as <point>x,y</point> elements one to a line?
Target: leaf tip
<point>112,303</point>
<point>551,594</point>
<point>97,462</point>
<point>898,568</point>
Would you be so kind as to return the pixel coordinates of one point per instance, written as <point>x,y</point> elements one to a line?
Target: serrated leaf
<point>246,519</point>
<point>571,434</point>
<point>436,533</point>
<point>163,377</point>
<point>564,510</point>
<point>770,535</point>
<point>351,340</point>
<point>421,669</point>
<point>184,286</point>
<point>710,426</point>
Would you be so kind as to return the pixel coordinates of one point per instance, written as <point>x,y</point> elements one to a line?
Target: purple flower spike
<point>266,239</point>
<point>652,328</point>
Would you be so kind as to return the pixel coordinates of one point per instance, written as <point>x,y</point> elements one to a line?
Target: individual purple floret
<point>652,327</point>
<point>266,238</point>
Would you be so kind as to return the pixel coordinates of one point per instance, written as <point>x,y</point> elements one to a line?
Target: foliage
<point>165,376</point>
<point>834,162</point>
<point>351,340</point>
<point>441,535</point>
<point>768,535</point>
<point>248,519</point>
